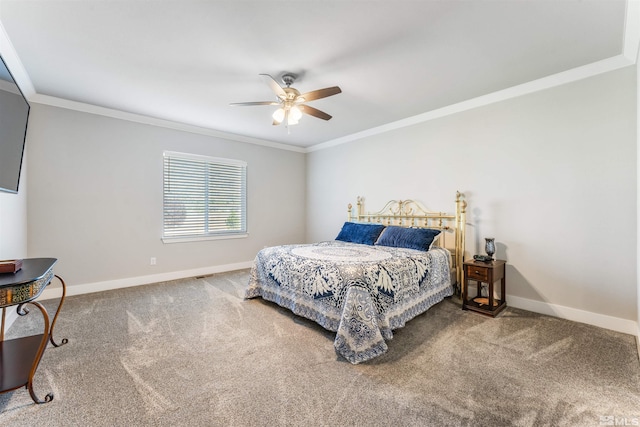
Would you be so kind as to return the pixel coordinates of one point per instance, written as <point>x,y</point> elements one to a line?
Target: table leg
<point>43,344</point>
<point>2,327</point>
<point>465,286</point>
<point>55,318</point>
<point>491,307</point>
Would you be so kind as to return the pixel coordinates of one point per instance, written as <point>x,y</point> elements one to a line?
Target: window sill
<point>203,238</point>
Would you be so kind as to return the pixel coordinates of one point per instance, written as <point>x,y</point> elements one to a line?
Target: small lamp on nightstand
<point>490,246</point>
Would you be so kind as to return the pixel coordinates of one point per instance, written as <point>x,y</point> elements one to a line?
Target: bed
<point>383,269</point>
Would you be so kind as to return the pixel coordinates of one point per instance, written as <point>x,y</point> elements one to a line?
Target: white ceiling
<point>185,61</point>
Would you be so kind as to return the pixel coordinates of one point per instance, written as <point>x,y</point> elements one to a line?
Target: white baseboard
<point>87,288</point>
<point>601,320</point>
<point>54,290</point>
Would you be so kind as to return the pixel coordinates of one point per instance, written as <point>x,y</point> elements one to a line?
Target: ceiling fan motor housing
<point>289,78</point>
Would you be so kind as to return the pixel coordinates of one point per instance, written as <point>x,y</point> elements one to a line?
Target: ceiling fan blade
<point>254,103</point>
<point>320,93</point>
<point>274,86</point>
<point>314,112</point>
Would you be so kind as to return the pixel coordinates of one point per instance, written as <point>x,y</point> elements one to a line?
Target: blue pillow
<point>411,238</point>
<point>354,232</point>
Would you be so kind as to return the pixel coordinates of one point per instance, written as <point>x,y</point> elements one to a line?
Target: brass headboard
<point>408,213</point>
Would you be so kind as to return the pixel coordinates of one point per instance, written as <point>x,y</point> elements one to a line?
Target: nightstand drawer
<point>477,273</point>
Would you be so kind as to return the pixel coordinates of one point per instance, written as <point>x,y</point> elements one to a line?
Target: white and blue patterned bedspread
<point>360,292</point>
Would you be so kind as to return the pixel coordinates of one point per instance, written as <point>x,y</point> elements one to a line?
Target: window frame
<point>209,161</point>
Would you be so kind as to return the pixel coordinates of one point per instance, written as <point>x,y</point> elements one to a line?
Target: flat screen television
<point>14,116</point>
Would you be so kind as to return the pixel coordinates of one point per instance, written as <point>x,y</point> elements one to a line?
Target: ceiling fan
<point>291,101</point>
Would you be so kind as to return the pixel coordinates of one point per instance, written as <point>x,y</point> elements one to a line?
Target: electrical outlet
<point>152,261</point>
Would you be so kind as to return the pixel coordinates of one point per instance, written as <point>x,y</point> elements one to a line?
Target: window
<point>203,197</point>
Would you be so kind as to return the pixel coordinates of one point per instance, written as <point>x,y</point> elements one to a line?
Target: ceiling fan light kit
<point>291,101</point>
<point>292,115</point>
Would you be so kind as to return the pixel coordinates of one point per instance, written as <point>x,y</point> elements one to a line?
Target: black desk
<point>20,357</point>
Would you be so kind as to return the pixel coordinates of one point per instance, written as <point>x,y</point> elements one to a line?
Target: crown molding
<point>12,60</point>
<point>139,118</point>
<point>554,80</point>
<point>632,31</point>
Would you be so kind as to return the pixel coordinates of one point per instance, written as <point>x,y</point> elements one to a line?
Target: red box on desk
<point>10,266</point>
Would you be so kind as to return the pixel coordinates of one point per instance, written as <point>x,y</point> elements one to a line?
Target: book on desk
<point>10,265</point>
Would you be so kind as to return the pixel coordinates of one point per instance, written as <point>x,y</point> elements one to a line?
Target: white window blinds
<point>203,197</point>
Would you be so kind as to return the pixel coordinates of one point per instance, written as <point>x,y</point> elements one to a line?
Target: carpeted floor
<point>194,353</point>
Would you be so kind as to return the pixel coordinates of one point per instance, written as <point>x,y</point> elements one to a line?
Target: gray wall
<point>550,175</point>
<point>13,220</point>
<point>95,197</point>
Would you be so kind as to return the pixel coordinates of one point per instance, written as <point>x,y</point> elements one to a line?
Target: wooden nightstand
<point>484,272</point>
